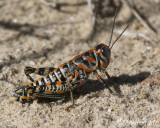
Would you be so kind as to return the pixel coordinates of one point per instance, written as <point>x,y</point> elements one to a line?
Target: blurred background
<point>40,33</point>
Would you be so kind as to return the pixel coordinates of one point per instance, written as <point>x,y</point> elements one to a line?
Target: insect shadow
<point>95,86</point>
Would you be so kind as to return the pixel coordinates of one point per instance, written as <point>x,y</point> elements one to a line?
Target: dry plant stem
<point>51,4</point>
<point>58,6</point>
<point>138,16</point>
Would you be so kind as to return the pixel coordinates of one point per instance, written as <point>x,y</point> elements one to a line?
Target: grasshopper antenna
<point>119,35</point>
<point>113,26</point>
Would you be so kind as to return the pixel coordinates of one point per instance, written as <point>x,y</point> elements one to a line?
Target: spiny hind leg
<point>58,101</point>
<point>46,90</point>
<point>39,71</point>
<point>58,98</point>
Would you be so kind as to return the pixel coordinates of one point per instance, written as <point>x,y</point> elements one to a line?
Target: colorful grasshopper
<point>68,76</point>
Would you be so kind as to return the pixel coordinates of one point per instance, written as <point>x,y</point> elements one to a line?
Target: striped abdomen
<point>54,74</point>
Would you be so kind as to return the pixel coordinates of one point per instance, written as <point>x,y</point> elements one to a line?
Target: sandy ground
<point>32,33</point>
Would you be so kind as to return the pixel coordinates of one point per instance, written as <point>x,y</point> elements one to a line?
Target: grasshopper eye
<point>105,51</point>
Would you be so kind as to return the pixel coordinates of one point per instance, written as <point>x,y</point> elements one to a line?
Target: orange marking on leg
<point>72,88</point>
<point>48,92</point>
<point>30,91</point>
<point>45,76</point>
<point>68,84</point>
<point>50,73</point>
<point>39,79</point>
<point>90,59</point>
<point>87,70</point>
<point>98,76</point>
<point>61,66</point>
<point>76,58</point>
<point>47,68</point>
<point>55,69</point>
<point>26,85</point>
<point>68,62</point>
<point>38,86</point>
<point>60,91</point>
<point>23,97</point>
<point>70,77</point>
<point>48,85</point>
<point>59,83</point>
<point>76,73</point>
<point>30,84</point>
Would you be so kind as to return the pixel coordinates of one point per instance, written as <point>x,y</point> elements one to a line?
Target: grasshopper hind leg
<point>28,71</point>
<point>58,101</point>
<point>57,98</point>
<point>38,71</point>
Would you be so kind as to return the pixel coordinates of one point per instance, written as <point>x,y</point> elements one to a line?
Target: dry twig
<point>138,16</point>
<point>58,6</point>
